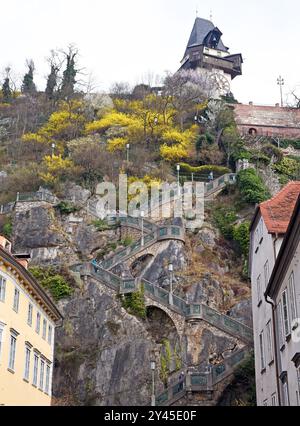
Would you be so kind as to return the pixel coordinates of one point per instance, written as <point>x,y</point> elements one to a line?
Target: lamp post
<point>53,148</point>
<point>280,82</point>
<point>171,269</point>
<point>127,152</point>
<point>142,217</point>
<point>178,178</point>
<point>153,366</point>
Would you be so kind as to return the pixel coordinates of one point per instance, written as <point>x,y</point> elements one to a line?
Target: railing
<point>29,197</point>
<point>202,381</point>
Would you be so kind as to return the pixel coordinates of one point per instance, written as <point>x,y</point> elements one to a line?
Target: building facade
<point>27,327</point>
<point>268,231</point>
<point>206,53</point>
<point>267,121</point>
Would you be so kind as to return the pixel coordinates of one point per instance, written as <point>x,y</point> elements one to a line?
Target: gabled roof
<point>277,211</point>
<point>201,29</point>
<point>287,252</point>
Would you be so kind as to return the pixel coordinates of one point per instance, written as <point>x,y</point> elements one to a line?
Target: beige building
<point>268,237</point>
<point>27,325</point>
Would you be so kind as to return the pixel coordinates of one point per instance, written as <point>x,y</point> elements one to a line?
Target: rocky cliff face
<point>102,352</point>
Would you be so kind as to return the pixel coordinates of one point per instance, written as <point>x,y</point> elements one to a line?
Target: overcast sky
<point>124,40</point>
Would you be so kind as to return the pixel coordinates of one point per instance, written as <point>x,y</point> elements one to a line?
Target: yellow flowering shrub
<point>55,167</point>
<point>116,144</point>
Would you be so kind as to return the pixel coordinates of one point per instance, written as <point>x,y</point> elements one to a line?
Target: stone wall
<point>268,121</point>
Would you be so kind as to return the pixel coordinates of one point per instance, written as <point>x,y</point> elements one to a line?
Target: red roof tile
<point>277,211</point>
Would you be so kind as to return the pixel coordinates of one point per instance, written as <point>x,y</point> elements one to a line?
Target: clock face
<point>221,83</point>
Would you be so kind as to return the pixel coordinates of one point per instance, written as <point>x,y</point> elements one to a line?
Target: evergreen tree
<point>6,90</point>
<point>52,82</point>
<point>28,86</point>
<point>69,75</point>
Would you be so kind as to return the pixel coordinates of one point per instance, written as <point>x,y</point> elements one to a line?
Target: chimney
<point>23,259</point>
<point>277,105</point>
<point>5,244</point>
<point>251,103</point>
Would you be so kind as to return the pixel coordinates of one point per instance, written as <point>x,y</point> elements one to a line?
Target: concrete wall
<point>14,389</point>
<point>268,120</point>
<point>291,346</point>
<point>262,250</point>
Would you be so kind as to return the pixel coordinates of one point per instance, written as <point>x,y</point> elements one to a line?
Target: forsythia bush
<point>55,168</point>
<point>174,153</point>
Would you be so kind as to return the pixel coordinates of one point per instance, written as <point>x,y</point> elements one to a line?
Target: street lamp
<point>53,148</point>
<point>171,270</point>
<point>142,217</point>
<point>156,121</point>
<point>178,178</point>
<point>153,366</point>
<point>280,82</point>
<point>127,149</point>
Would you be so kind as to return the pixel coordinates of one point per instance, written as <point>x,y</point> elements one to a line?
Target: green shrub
<point>127,241</point>
<point>272,151</point>
<point>288,169</point>
<point>209,138</point>
<point>134,303</point>
<point>224,219</point>
<point>241,235</point>
<point>205,170</point>
<point>245,374</point>
<point>101,225</point>
<point>8,229</point>
<point>251,187</point>
<point>66,208</point>
<point>51,280</point>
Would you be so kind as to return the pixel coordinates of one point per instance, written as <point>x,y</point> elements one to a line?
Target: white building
<point>276,374</point>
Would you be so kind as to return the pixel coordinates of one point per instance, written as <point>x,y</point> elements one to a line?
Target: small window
<point>270,343</point>
<point>44,329</point>
<point>280,325</point>
<point>292,297</point>
<point>35,370</point>
<point>259,290</point>
<point>1,338</point>
<point>2,289</point>
<point>16,300</point>
<point>42,371</point>
<point>27,362</point>
<point>50,334</point>
<point>262,351</point>
<point>274,400</point>
<point>29,315</point>
<point>12,352</point>
<point>38,323</point>
<point>266,273</point>
<point>285,311</point>
<point>286,396</point>
<point>48,377</point>
<point>265,403</point>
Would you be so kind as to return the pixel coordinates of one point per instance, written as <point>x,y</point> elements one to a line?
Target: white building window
<point>270,343</point>
<point>38,323</point>
<point>280,325</point>
<point>48,378</point>
<point>265,403</point>
<point>266,273</point>
<point>35,369</point>
<point>50,330</point>
<point>16,300</point>
<point>1,338</point>
<point>262,351</point>
<point>2,289</point>
<point>285,391</point>
<point>274,400</point>
<point>259,290</point>
<point>292,297</point>
<point>12,352</point>
<point>44,329</point>
<point>29,314</point>
<point>285,312</point>
<point>42,371</point>
<point>27,362</point>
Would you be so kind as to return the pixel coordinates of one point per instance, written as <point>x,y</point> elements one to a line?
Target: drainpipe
<point>271,302</point>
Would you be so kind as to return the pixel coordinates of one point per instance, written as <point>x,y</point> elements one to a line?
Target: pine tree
<point>28,86</point>
<point>6,90</point>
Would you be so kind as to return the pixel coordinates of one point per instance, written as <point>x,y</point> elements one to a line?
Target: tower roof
<point>201,29</point>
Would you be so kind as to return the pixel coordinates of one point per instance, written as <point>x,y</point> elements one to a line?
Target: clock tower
<point>207,54</point>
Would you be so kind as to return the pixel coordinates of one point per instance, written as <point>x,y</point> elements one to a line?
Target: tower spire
<point>211,15</point>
